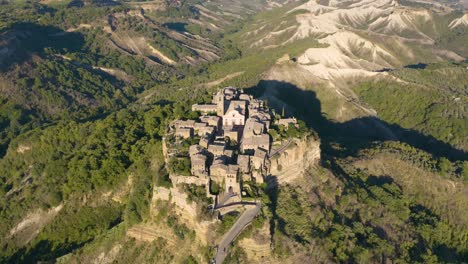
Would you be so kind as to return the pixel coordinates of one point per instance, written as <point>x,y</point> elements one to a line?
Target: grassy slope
<point>432,101</point>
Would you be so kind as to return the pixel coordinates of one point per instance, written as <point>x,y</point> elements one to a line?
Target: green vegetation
<point>180,230</point>
<point>70,229</point>
<point>442,166</point>
<point>90,140</point>
<point>71,159</point>
<point>431,101</point>
<point>190,260</point>
<point>358,217</point>
<point>197,194</point>
<point>179,166</point>
<point>215,188</point>
<point>280,132</point>
<point>227,221</point>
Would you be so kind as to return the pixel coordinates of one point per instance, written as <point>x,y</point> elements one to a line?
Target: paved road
<point>225,198</point>
<point>236,229</point>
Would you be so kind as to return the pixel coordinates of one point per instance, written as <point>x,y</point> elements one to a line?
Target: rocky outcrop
<point>292,162</point>
<point>197,180</point>
<point>186,210</point>
<point>258,246</point>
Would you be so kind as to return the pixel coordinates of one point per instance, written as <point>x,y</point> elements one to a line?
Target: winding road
<point>235,230</point>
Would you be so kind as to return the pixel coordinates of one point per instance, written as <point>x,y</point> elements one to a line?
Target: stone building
<point>217,148</point>
<point>214,121</point>
<point>235,114</point>
<point>231,134</point>
<point>184,123</point>
<point>205,108</point>
<point>287,121</point>
<point>198,165</point>
<point>231,183</point>
<point>204,141</point>
<point>184,132</point>
<point>195,149</point>
<point>204,130</point>
<point>228,155</point>
<point>258,159</point>
<point>249,145</point>
<point>244,163</point>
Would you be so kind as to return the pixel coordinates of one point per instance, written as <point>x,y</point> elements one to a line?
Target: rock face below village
<point>295,159</point>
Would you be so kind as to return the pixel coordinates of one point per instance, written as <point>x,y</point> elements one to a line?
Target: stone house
<point>195,149</point>
<point>217,148</point>
<point>214,121</point>
<point>261,116</point>
<point>253,128</point>
<point>249,145</point>
<point>232,134</point>
<point>244,163</point>
<point>228,155</point>
<point>245,97</point>
<point>184,124</point>
<point>287,121</point>
<point>184,132</point>
<point>218,168</point>
<point>258,159</point>
<point>204,141</point>
<point>204,131</point>
<point>230,93</point>
<point>205,108</point>
<point>221,172</point>
<point>198,164</point>
<point>231,183</point>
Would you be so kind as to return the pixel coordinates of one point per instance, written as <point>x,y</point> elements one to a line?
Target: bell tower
<point>220,103</point>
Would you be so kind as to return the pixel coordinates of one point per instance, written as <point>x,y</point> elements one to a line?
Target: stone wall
<point>197,180</point>
<point>291,164</point>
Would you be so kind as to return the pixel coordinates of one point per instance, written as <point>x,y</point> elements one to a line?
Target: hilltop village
<point>230,144</point>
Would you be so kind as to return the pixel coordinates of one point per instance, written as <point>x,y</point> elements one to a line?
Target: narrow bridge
<point>281,149</point>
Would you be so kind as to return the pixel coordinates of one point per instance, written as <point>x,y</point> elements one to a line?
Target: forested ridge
<point>85,104</point>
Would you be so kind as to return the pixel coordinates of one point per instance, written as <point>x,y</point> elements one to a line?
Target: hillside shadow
<point>27,39</point>
<point>352,135</point>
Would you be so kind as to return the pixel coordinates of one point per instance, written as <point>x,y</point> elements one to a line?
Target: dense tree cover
<point>70,229</point>
<point>52,74</point>
<point>47,166</point>
<point>14,119</point>
<point>440,165</point>
<point>179,166</point>
<point>433,101</point>
<point>180,9</point>
<point>74,141</point>
<point>364,218</point>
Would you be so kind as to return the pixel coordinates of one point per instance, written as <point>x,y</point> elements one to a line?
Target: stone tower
<point>220,103</point>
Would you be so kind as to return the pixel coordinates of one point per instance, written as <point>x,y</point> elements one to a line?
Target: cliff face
<point>291,164</point>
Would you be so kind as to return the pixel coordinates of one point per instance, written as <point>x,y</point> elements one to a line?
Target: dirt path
<point>221,80</point>
<point>150,233</point>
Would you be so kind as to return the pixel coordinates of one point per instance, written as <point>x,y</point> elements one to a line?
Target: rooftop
<point>238,106</point>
